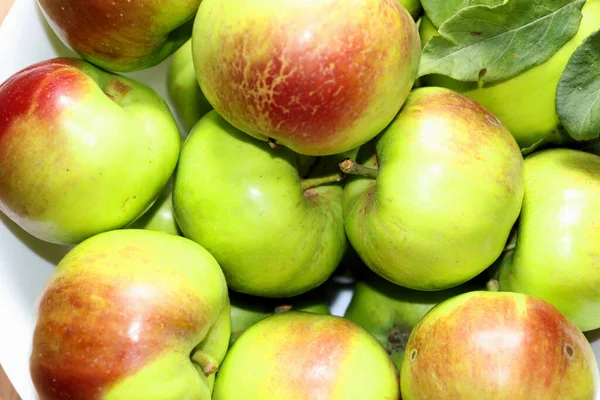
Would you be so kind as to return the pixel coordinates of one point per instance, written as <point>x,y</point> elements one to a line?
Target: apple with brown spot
<point>319,77</point>
<point>131,314</point>
<point>299,355</point>
<point>82,151</point>
<point>389,312</point>
<point>497,345</point>
<point>121,35</point>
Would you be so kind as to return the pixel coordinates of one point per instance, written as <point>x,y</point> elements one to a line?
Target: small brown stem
<point>282,308</point>
<point>321,180</point>
<point>208,364</point>
<point>272,143</point>
<point>492,285</point>
<point>397,339</point>
<point>511,243</point>
<point>351,167</point>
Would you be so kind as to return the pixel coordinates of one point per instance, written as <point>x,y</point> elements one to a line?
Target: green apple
<point>121,35</point>
<point>274,231</point>
<point>556,252</point>
<point>184,91</point>
<point>82,151</point>
<point>526,102</point>
<point>497,346</point>
<point>413,7</point>
<point>440,205</point>
<point>298,355</point>
<point>390,312</point>
<point>160,216</point>
<point>319,77</point>
<point>247,310</point>
<point>131,314</point>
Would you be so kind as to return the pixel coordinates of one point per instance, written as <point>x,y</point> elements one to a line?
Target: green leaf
<point>438,11</point>
<point>578,91</point>
<point>487,44</point>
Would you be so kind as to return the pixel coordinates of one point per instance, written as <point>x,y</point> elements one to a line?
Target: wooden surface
<point>4,6</point>
<point>7,392</point>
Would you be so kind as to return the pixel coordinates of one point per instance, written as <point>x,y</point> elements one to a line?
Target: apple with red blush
<point>131,314</point>
<point>497,345</point>
<point>121,35</point>
<point>82,151</point>
<point>318,77</point>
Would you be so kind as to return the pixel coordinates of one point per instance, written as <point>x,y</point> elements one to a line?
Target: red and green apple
<point>82,151</point>
<point>121,35</point>
<point>319,77</point>
<point>131,314</point>
<point>497,346</point>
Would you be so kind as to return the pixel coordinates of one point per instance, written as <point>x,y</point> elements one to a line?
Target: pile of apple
<point>441,154</point>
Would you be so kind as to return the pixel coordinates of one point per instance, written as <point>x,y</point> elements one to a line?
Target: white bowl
<point>25,262</point>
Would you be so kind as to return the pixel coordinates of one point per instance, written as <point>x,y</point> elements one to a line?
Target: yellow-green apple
<point>121,35</point>
<point>299,355</point>
<point>275,231</point>
<point>160,216</point>
<point>526,102</point>
<point>497,346</point>
<point>556,251</point>
<point>82,151</point>
<point>448,187</point>
<point>247,310</point>
<point>184,91</point>
<point>131,314</point>
<point>319,77</point>
<point>390,312</point>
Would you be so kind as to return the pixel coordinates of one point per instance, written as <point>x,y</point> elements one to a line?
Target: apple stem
<point>208,364</point>
<point>492,285</point>
<point>397,339</point>
<point>309,183</point>
<point>351,167</point>
<point>511,243</point>
<point>282,308</point>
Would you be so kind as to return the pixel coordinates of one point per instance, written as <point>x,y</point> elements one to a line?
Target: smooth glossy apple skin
<point>319,77</point>
<point>121,35</point>
<point>389,312</point>
<point>525,103</point>
<point>298,355</point>
<point>81,151</point>
<point>243,201</point>
<point>248,310</point>
<point>448,192</point>
<point>183,88</point>
<point>494,345</point>
<point>160,216</point>
<point>121,314</point>
<point>557,251</point>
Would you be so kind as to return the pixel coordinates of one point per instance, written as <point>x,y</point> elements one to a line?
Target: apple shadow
<point>50,252</point>
<point>593,336</point>
<point>28,273</point>
<point>57,44</point>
